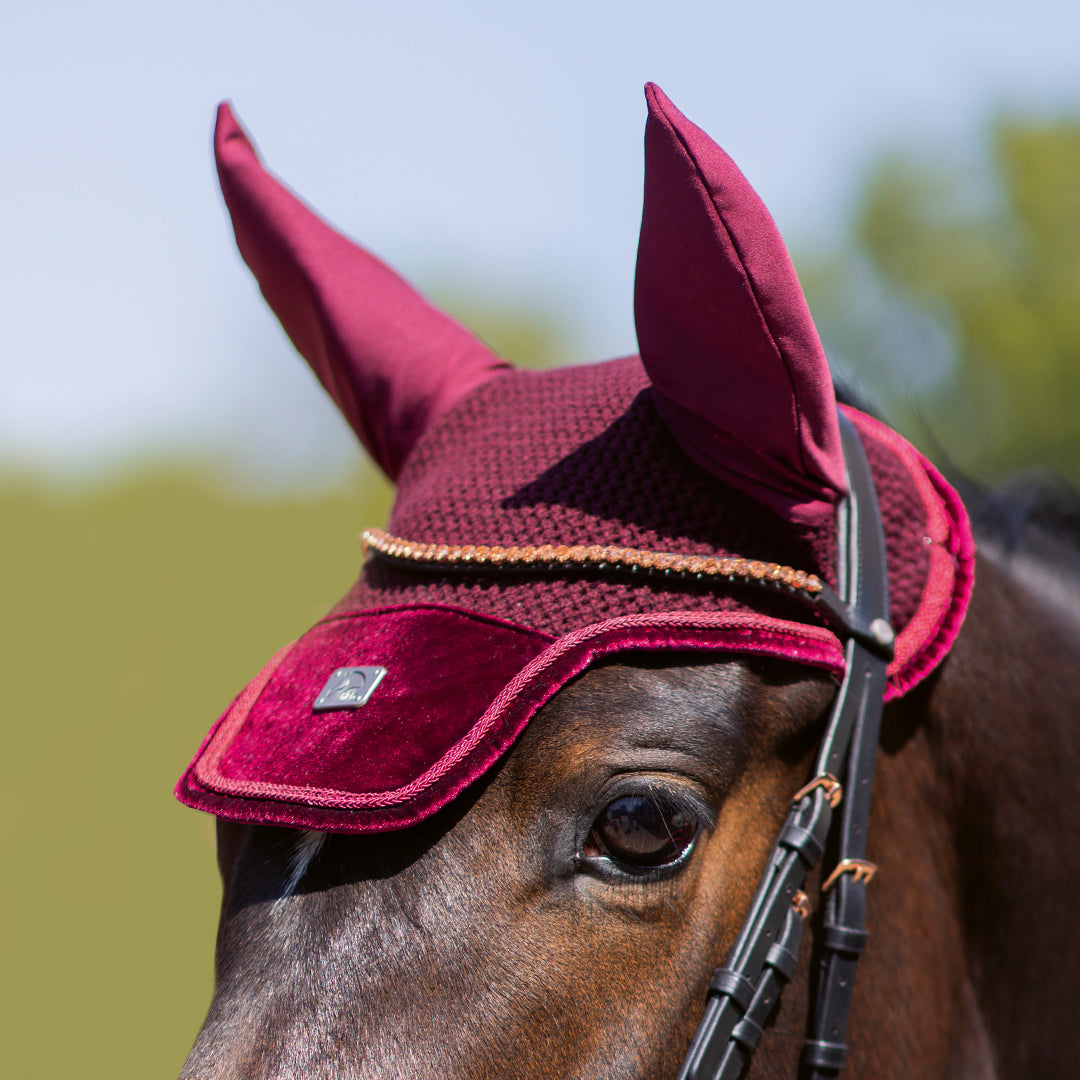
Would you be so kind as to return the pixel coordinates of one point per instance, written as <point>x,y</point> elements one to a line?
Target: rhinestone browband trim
<point>589,557</point>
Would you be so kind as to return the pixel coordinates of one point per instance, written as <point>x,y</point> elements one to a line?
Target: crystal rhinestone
<point>584,555</point>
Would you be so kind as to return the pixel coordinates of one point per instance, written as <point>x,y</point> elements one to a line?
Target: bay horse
<point>508,810</point>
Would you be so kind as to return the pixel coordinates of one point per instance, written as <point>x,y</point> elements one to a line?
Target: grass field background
<point>134,611</point>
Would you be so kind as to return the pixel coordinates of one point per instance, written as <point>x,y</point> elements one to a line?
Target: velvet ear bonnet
<point>684,499</point>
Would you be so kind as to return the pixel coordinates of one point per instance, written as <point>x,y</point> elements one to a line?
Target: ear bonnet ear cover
<point>391,362</point>
<point>681,501</point>
<point>734,358</point>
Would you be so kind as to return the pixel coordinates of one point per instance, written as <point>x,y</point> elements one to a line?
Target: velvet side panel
<point>365,807</point>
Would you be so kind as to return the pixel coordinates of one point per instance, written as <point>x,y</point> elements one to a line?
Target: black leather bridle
<point>744,992</point>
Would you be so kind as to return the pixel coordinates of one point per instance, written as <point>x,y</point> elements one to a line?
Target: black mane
<point>1032,504</point>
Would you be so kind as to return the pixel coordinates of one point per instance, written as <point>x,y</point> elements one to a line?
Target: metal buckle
<point>834,790</point>
<point>801,903</point>
<point>860,870</point>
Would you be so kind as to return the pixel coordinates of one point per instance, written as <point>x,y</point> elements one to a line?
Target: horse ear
<point>390,361</point>
<point>736,364</point>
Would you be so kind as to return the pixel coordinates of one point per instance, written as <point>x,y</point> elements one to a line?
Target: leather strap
<point>845,904</point>
<point>744,992</point>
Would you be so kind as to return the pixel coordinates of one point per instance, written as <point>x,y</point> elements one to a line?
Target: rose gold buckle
<point>860,870</point>
<point>834,790</point>
<point>801,903</point>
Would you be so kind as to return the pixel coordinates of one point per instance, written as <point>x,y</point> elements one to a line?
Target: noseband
<point>744,992</point>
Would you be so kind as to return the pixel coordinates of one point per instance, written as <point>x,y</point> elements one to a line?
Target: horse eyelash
<point>679,798</point>
<point>663,795</point>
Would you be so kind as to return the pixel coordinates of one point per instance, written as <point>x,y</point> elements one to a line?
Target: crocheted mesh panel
<point>903,519</point>
<point>580,456</point>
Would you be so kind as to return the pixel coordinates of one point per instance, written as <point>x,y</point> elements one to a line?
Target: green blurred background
<point>134,611</point>
<point>954,299</point>
<point>138,603</point>
<point>135,608</point>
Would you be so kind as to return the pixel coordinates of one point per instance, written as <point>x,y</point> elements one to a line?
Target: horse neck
<point>1002,727</point>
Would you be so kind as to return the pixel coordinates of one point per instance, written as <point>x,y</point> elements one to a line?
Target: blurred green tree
<point>960,295</point>
<point>134,611</point>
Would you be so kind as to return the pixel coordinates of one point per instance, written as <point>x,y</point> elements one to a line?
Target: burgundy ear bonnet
<point>683,500</point>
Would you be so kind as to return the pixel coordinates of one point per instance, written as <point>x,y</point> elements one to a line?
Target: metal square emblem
<point>349,688</point>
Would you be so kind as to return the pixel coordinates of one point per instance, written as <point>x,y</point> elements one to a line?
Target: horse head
<point>504,811</point>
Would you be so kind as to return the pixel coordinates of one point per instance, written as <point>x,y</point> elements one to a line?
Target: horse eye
<point>642,831</point>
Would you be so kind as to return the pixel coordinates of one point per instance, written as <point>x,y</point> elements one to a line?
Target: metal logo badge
<point>349,688</point>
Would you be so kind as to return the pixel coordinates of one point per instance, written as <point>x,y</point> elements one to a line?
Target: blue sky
<point>495,148</point>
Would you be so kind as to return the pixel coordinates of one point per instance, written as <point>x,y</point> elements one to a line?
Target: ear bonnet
<point>685,499</point>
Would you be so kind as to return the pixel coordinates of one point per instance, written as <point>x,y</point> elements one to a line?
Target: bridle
<point>744,992</point>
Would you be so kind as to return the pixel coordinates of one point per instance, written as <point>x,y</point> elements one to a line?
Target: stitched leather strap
<point>743,993</point>
<point>845,904</point>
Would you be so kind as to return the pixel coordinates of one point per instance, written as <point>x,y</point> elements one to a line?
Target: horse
<point>509,808</point>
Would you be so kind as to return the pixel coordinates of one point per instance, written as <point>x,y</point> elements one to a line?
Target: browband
<point>744,992</point>
<point>561,558</point>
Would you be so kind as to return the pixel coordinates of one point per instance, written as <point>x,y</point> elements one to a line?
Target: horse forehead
<point>627,700</point>
<point>676,704</point>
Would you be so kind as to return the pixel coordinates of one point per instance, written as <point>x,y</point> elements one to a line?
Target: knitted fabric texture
<point>581,456</point>
<point>576,456</point>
